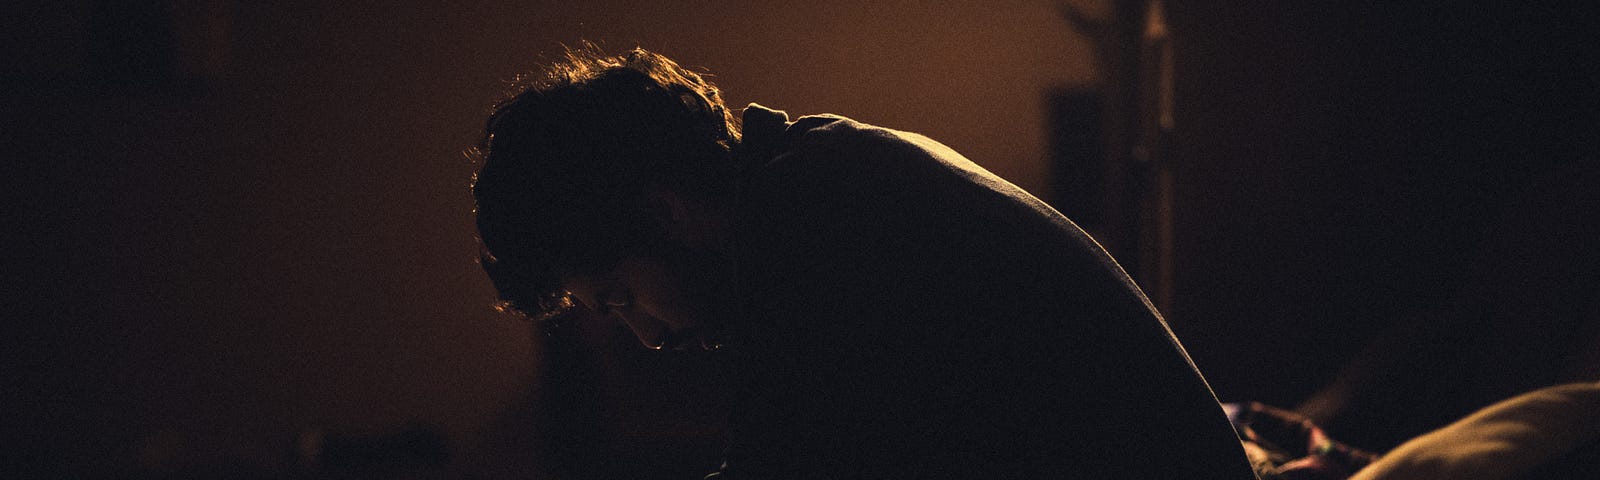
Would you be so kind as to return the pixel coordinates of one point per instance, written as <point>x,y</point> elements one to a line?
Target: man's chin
<point>693,339</point>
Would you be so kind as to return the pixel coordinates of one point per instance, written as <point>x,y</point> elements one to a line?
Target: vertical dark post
<point>1138,66</point>
<point>1151,154</point>
<point>1120,61</point>
<point>1123,196</point>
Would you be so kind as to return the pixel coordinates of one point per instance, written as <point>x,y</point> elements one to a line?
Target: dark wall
<point>235,223</point>
<point>1340,166</point>
<point>265,231</point>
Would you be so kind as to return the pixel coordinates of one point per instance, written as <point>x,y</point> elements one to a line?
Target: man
<point>888,308</point>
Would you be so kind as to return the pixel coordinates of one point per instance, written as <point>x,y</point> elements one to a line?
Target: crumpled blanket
<point>1549,433</point>
<point>1553,432</point>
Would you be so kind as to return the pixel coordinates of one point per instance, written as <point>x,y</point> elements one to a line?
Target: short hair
<point>565,158</point>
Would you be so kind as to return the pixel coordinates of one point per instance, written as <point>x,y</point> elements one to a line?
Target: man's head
<point>601,163</point>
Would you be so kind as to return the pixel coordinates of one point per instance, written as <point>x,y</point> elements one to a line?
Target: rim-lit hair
<point>565,158</point>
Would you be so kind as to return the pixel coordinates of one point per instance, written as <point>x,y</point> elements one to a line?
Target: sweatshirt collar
<point>762,133</point>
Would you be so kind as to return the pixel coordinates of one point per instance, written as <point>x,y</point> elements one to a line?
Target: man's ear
<point>670,212</point>
<point>685,221</point>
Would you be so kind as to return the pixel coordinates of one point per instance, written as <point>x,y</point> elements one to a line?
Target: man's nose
<point>651,332</point>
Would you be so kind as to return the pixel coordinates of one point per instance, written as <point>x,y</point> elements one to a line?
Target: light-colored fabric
<point>1501,441</point>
